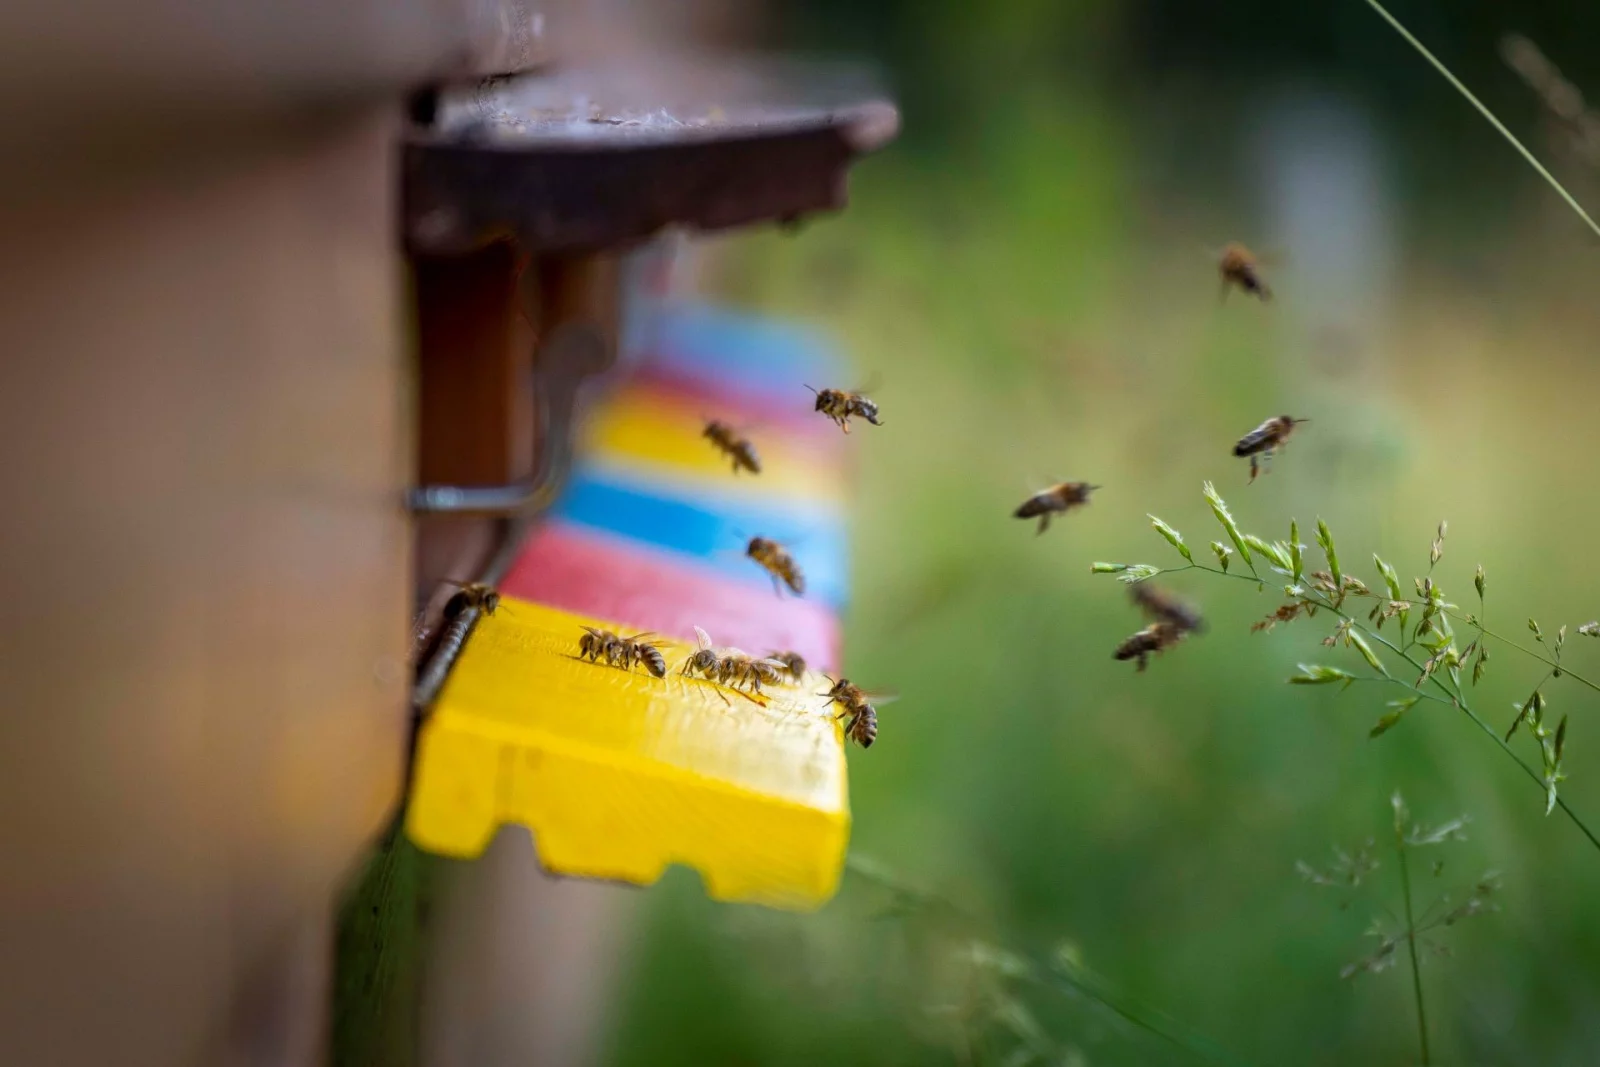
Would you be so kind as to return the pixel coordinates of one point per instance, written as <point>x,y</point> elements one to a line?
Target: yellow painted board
<point>620,773</point>
<point>639,431</point>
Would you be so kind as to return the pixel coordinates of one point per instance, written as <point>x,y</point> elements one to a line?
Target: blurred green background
<point>1028,272</point>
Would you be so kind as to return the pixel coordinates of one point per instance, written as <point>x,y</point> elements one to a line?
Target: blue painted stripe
<point>733,349</point>
<point>714,535</point>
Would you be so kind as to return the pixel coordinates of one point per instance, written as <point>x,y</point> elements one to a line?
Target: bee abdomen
<point>1034,506</point>
<point>653,660</point>
<point>1250,442</point>
<point>1138,644</point>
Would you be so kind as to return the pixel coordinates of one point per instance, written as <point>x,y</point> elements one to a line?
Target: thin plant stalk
<point>1486,113</point>
<point>1080,982</point>
<point>1411,942</point>
<point>1453,697</point>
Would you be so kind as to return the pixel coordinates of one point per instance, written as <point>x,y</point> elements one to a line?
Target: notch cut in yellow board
<point>620,773</point>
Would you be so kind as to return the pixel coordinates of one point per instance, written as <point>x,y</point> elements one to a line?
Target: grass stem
<point>1486,113</point>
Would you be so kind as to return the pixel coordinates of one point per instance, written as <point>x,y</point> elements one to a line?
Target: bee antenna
<point>808,387</point>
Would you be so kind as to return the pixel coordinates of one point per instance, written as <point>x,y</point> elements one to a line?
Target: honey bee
<point>793,662</point>
<point>472,595</point>
<point>704,658</point>
<point>1172,621</point>
<point>737,669</point>
<point>730,666</point>
<point>1239,267</point>
<point>1261,442</point>
<point>1061,497</point>
<point>1157,637</point>
<point>777,562</point>
<point>596,643</point>
<point>861,717</point>
<point>621,651</point>
<point>737,448</point>
<point>840,405</point>
<point>1162,606</point>
<point>646,653</point>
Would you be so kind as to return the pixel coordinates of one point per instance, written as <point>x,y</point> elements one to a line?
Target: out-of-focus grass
<point>1025,326</point>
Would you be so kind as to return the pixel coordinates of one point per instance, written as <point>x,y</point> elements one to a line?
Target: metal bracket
<point>573,352</point>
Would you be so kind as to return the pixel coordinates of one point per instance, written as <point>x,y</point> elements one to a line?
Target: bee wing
<point>594,632</point>
<point>635,637</point>
<point>703,638</point>
<point>877,697</point>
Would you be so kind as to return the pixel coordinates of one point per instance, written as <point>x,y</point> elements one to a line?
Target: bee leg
<point>777,587</point>
<point>1254,470</point>
<point>1044,523</point>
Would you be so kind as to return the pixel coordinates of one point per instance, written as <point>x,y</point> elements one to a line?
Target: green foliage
<point>1438,678</point>
<point>1354,868</point>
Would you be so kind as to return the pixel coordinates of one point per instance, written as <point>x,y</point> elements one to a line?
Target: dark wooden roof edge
<point>596,160</point>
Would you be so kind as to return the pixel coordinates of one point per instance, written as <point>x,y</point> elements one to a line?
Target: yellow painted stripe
<point>643,433</point>
<point>619,774</point>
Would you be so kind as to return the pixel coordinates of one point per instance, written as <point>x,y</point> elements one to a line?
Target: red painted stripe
<point>588,573</point>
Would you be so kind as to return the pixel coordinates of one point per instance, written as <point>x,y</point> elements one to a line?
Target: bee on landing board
<point>776,561</point>
<point>735,447</point>
<point>1058,499</point>
<point>793,662</point>
<point>729,667</point>
<point>704,659</point>
<point>621,651</point>
<point>648,655</point>
<point>1261,442</point>
<point>840,406</point>
<point>1238,266</point>
<point>1171,621</point>
<point>738,670</point>
<point>858,710</point>
<point>474,595</point>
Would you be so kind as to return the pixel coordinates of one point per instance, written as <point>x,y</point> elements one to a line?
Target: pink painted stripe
<point>588,573</point>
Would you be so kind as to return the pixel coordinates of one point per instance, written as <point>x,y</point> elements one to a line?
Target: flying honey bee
<point>1162,606</point>
<point>1157,637</point>
<point>1171,621</point>
<point>777,562</point>
<point>859,712</point>
<point>1059,498</point>
<point>472,595</point>
<point>1261,442</point>
<point>840,405</point>
<point>1238,266</point>
<point>621,651</point>
<point>737,448</point>
<point>792,661</point>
